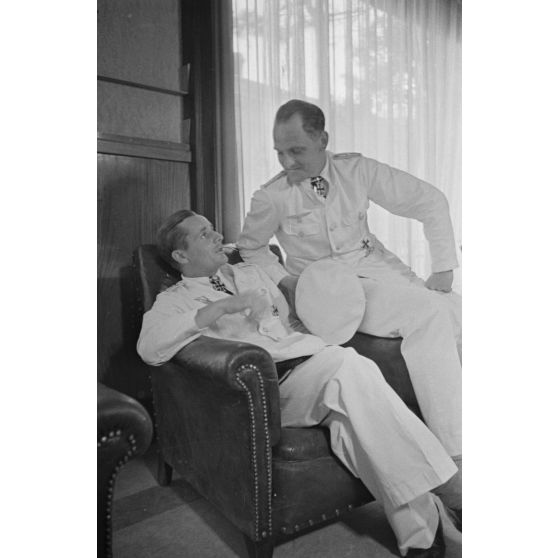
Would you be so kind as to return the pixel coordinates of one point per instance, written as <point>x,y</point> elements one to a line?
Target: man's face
<point>300,154</point>
<point>205,254</point>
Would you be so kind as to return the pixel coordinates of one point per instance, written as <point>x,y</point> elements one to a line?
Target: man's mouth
<point>296,175</point>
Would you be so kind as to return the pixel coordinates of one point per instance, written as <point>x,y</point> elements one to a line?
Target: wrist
<point>207,315</point>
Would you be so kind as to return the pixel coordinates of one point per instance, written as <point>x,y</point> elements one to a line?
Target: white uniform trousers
<point>399,305</point>
<point>374,434</point>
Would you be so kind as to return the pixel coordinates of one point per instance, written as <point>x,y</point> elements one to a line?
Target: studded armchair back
<point>154,274</point>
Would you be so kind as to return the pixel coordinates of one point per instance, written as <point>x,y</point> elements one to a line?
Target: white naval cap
<point>330,301</point>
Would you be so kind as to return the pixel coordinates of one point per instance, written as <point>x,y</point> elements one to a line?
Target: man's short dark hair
<point>170,236</point>
<point>313,119</point>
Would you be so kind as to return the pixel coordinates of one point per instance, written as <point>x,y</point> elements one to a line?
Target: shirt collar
<point>196,281</point>
<point>204,281</point>
<point>326,172</point>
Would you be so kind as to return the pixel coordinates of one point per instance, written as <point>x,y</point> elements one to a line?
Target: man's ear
<point>324,139</point>
<point>180,257</point>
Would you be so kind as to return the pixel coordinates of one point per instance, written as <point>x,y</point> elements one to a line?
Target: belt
<point>285,365</point>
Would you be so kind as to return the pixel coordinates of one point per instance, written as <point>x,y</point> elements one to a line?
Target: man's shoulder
<point>246,267</point>
<point>247,273</point>
<point>346,161</point>
<point>176,288</point>
<point>171,296</point>
<point>341,156</point>
<point>277,181</point>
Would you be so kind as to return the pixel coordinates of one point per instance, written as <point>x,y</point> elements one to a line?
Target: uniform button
<point>332,227</point>
<point>301,234</point>
<point>361,215</point>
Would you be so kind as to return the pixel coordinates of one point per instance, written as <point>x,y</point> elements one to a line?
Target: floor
<point>150,521</point>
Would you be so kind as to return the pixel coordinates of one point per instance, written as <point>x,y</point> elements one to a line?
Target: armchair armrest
<point>224,362</point>
<point>124,429</point>
<point>122,422</point>
<point>218,415</point>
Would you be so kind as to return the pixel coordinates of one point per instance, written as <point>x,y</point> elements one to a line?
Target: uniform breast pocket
<point>302,224</point>
<point>354,220</point>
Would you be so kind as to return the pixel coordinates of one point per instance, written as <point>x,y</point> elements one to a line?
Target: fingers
<point>439,289</point>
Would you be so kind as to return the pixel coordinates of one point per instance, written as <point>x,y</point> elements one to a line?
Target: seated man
<point>372,431</point>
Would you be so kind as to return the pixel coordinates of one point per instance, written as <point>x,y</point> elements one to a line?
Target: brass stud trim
<point>253,369</point>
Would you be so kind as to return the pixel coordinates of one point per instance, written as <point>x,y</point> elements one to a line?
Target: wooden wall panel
<point>134,196</point>
<point>139,40</point>
<point>156,132</point>
<point>138,113</point>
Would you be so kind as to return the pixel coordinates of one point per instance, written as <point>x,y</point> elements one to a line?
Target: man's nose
<point>288,162</point>
<point>218,237</point>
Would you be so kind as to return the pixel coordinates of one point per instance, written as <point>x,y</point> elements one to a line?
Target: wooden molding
<point>114,144</point>
<point>137,85</point>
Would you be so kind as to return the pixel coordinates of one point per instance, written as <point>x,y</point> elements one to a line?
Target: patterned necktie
<point>319,185</point>
<point>218,285</point>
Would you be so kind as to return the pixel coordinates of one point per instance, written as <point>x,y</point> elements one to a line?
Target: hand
<point>256,301</point>
<point>440,281</point>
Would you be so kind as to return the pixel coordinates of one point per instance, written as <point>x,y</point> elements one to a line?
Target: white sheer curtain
<point>387,74</point>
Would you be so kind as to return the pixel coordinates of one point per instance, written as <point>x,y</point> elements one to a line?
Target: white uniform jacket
<point>310,228</point>
<point>170,325</point>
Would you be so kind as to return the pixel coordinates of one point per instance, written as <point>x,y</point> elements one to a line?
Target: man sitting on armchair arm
<point>372,431</point>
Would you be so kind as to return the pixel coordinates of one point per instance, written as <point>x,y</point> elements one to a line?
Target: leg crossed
<point>373,434</point>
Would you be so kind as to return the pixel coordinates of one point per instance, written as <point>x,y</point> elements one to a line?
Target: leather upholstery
<point>124,430</point>
<point>386,353</point>
<point>301,444</point>
<point>219,426</point>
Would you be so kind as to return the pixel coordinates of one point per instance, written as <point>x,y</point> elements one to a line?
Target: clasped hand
<point>256,301</point>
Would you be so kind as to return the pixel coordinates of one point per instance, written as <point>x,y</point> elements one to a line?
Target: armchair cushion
<point>301,444</point>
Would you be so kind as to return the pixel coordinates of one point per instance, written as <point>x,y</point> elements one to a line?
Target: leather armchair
<point>218,424</point>
<point>124,430</point>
